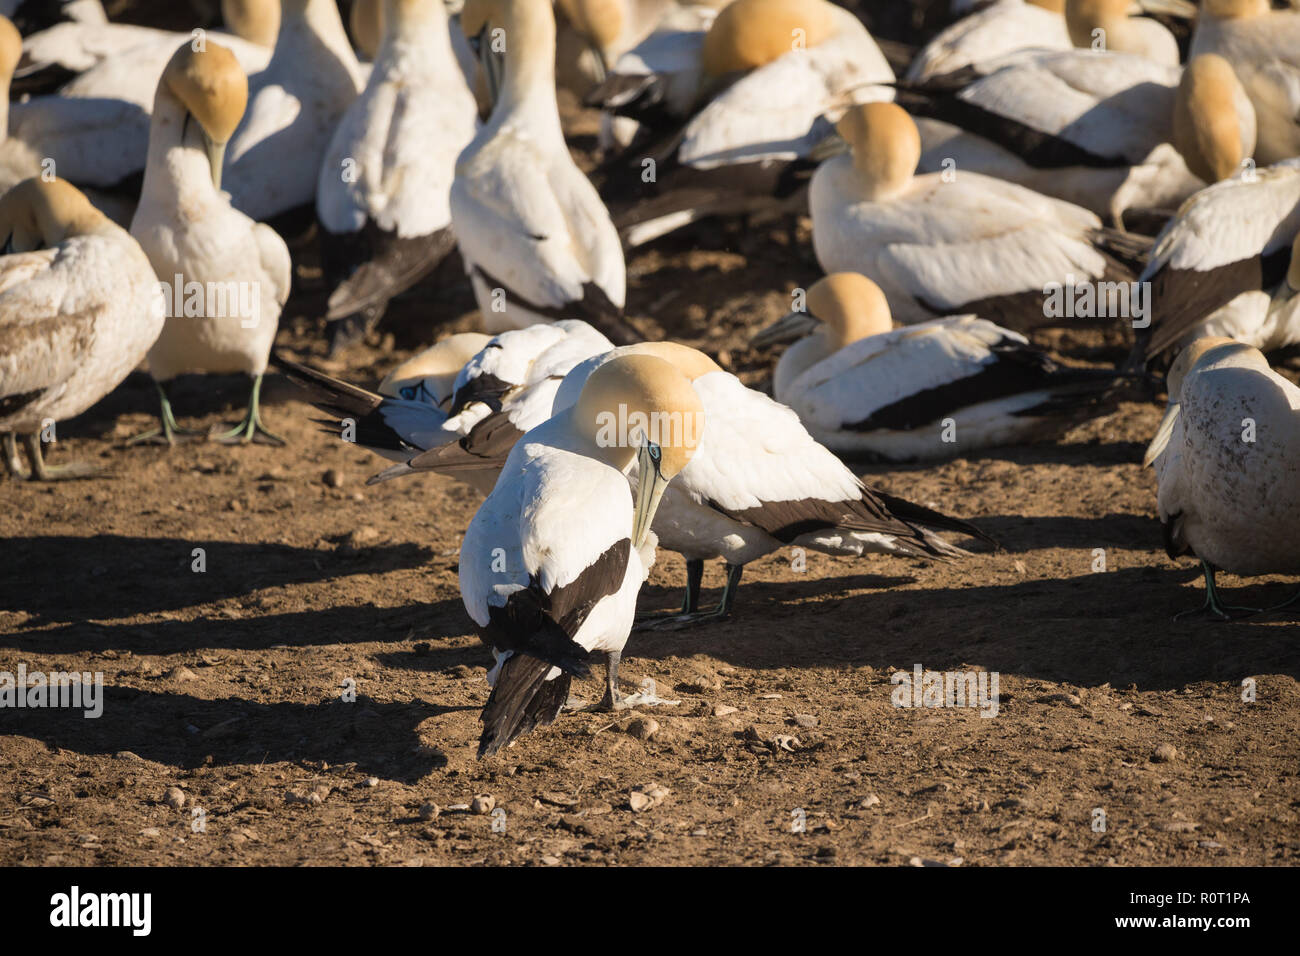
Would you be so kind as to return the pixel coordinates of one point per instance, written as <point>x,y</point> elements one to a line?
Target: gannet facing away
<point>79,306</point>
<point>294,106</point>
<point>1214,265</point>
<point>554,558</point>
<point>537,241</point>
<point>1263,46</point>
<point>1227,461</point>
<point>997,29</point>
<point>383,195</point>
<point>233,273</point>
<point>975,244</point>
<point>1107,25</point>
<point>939,389</point>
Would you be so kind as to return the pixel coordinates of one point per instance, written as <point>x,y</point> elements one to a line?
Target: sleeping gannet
<point>294,106</point>
<point>79,307</point>
<point>761,109</point>
<point>1227,462</point>
<point>554,558</point>
<point>231,274</point>
<point>1107,25</point>
<point>997,29</point>
<point>538,243</point>
<point>407,412</point>
<point>975,244</point>
<point>1213,266</point>
<point>939,389</point>
<point>1106,131</point>
<point>1263,46</point>
<point>383,193</point>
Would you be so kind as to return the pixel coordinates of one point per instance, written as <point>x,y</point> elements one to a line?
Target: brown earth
<point>228,684</point>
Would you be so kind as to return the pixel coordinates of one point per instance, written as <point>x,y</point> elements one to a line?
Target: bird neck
<point>798,358</point>
<point>177,167</point>
<point>307,26</point>
<point>528,87</point>
<point>417,33</point>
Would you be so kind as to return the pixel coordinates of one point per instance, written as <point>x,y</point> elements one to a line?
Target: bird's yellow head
<point>212,87</point>
<point>257,21</point>
<point>1187,360</point>
<point>1209,129</point>
<point>1236,9</point>
<point>11,49</point>
<point>36,214</point>
<point>886,146</point>
<point>441,362</point>
<point>748,34</point>
<point>600,21</point>
<point>843,306</point>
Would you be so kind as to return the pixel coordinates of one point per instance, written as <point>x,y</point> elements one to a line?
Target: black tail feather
<point>522,699</point>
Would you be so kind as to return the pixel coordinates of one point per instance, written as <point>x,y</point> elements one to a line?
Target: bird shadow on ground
<point>1076,630</point>
<point>327,625</point>
<point>184,731</point>
<point>1016,534</point>
<point>61,578</point>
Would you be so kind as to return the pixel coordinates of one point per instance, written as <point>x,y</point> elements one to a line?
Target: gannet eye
<point>407,392</point>
<point>656,453</point>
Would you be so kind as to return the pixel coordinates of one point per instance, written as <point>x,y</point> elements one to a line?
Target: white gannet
<point>229,275</point>
<point>972,245</point>
<point>1263,46</point>
<point>1106,131</point>
<point>554,558</point>
<point>294,106</point>
<point>995,30</point>
<point>383,193</point>
<point>537,241</point>
<point>1107,25</point>
<point>17,160</point>
<point>592,34</point>
<point>1213,267</point>
<point>772,71</point>
<point>79,307</point>
<point>1227,463</point>
<point>939,389</point>
<point>405,415</point>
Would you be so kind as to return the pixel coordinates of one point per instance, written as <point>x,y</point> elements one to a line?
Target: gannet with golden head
<point>1263,46</point>
<point>772,71</point>
<point>1110,25</point>
<point>938,247</point>
<point>939,389</point>
<point>79,307</point>
<point>1227,463</point>
<point>553,560</point>
<point>383,193</point>
<point>1214,266</point>
<point>229,275</point>
<point>537,241</point>
<point>1106,131</point>
<point>592,34</point>
<point>18,161</point>
<point>294,106</point>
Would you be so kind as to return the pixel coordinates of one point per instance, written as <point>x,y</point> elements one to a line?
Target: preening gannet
<point>294,106</point>
<point>1106,131</point>
<point>554,558</point>
<point>592,34</point>
<point>1227,461</point>
<point>938,247</point>
<point>939,389</point>
<point>538,243</point>
<point>383,195</point>
<point>993,31</point>
<point>228,274</point>
<point>79,306</point>
<point>1107,25</point>
<point>407,412</point>
<point>1214,265</point>
<point>772,71</point>
<point>1263,46</point>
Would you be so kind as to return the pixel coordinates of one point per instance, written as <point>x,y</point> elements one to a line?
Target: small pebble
<point>333,478</point>
<point>643,728</point>
<point>1164,753</point>
<point>429,811</point>
<point>807,721</point>
<point>483,803</point>
<point>174,797</point>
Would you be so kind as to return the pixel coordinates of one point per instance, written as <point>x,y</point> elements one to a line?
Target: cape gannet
<point>79,307</point>
<point>407,413</point>
<point>592,34</point>
<point>1263,46</point>
<point>294,106</point>
<point>17,160</point>
<point>972,245</point>
<point>538,243</point>
<point>1227,462</point>
<point>771,72</point>
<point>993,31</point>
<point>228,274</point>
<point>1106,131</point>
<point>554,558</point>
<point>939,389</point>
<point>1107,25</point>
<point>1213,266</point>
<point>383,194</point>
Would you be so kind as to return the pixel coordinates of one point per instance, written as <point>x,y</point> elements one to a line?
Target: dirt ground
<point>229,684</point>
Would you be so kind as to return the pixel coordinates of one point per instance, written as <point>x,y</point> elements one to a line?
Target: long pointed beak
<point>650,487</point>
<point>216,157</point>
<point>788,328</point>
<point>1163,434</point>
<point>833,145</point>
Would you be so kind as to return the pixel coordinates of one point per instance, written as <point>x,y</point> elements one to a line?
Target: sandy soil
<point>229,685</point>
